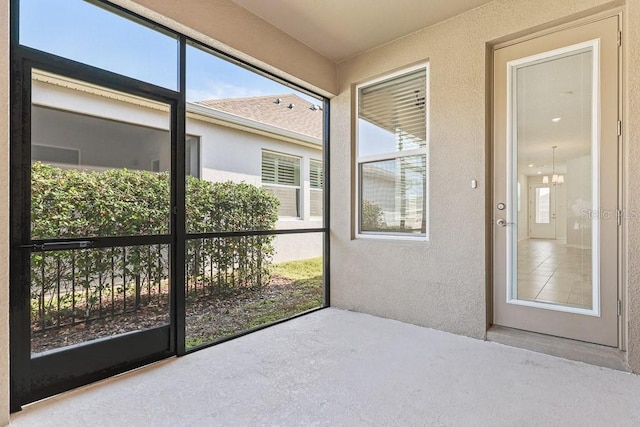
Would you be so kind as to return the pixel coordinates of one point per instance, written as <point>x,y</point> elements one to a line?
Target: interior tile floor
<point>552,272</point>
<point>339,368</point>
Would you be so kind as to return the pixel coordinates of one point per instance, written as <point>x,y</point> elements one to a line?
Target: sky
<point>79,30</point>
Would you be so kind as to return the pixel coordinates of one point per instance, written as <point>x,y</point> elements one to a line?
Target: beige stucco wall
<point>631,130</point>
<point>442,283</point>
<point>225,25</point>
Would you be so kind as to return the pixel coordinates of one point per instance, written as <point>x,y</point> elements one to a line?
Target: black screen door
<point>93,237</point>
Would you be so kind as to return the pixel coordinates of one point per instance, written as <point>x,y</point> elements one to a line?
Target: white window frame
<point>392,156</point>
<point>298,187</point>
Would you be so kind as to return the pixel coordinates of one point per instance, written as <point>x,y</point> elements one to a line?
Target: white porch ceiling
<point>340,29</point>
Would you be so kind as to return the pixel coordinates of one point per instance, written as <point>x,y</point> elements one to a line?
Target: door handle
<point>52,246</point>
<point>503,222</point>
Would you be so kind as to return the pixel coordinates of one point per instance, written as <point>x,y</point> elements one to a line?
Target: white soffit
<point>340,29</point>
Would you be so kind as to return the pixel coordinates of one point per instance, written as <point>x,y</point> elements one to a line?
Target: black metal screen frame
<point>25,370</point>
<point>22,60</point>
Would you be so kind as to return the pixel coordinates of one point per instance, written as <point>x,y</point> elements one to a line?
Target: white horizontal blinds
<point>281,177</point>
<point>289,198</point>
<point>316,174</point>
<point>316,202</point>
<point>398,105</point>
<point>280,169</point>
<point>316,182</point>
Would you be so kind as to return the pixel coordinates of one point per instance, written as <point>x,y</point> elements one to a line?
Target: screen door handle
<point>52,246</point>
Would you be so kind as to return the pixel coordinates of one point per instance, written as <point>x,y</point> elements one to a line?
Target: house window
<point>392,143</point>
<point>316,182</point>
<point>55,155</point>
<point>192,156</point>
<point>281,177</point>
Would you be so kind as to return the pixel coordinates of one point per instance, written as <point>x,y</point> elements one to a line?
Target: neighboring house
<point>280,136</point>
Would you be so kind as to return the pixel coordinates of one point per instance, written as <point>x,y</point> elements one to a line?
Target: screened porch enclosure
<point>141,224</point>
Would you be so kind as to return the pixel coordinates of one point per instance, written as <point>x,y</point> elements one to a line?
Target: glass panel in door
<point>554,143</point>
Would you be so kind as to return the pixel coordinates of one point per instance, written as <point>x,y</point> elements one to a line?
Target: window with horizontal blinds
<point>392,115</point>
<point>392,155</point>
<point>316,182</point>
<point>280,169</point>
<point>316,174</point>
<point>281,177</point>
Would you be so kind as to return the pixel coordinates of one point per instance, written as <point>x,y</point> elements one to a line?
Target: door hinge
<point>619,38</point>
<point>619,216</point>
<point>619,127</point>
<point>619,308</point>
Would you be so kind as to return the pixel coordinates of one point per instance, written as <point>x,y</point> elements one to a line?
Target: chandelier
<point>556,179</point>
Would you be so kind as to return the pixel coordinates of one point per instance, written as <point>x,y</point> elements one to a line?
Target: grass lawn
<point>295,287</point>
<point>306,290</point>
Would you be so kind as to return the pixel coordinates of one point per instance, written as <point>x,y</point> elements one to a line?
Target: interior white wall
<point>579,198</point>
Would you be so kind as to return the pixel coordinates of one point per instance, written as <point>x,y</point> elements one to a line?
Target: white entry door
<point>556,112</point>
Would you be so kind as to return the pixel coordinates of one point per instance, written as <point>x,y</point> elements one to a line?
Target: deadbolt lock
<point>501,206</point>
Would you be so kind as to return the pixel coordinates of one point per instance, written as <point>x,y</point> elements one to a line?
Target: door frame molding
<point>533,33</point>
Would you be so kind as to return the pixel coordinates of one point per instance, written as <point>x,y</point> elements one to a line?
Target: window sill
<point>392,237</point>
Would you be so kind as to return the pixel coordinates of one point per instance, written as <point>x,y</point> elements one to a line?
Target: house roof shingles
<point>304,117</point>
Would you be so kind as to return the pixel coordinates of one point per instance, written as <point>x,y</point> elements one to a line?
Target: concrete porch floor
<point>335,367</point>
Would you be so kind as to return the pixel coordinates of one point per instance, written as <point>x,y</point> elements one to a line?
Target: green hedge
<point>120,202</point>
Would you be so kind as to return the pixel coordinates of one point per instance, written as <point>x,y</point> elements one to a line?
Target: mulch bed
<point>208,318</point>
